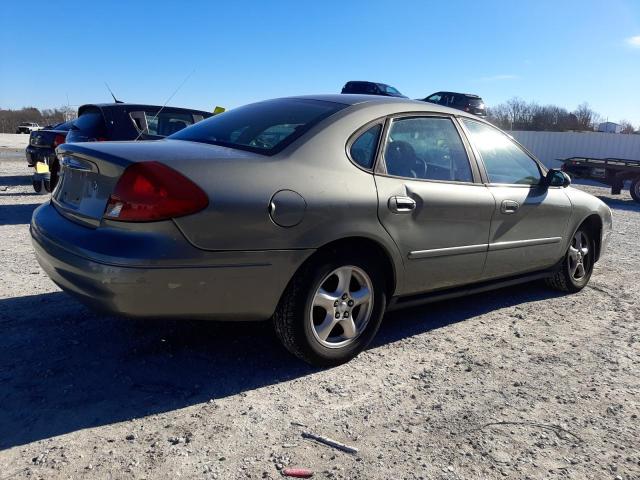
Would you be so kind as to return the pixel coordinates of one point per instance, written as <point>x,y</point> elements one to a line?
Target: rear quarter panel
<point>341,199</point>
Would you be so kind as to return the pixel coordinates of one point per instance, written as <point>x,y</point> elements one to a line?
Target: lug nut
<point>337,315</point>
<point>336,303</point>
<point>346,314</point>
<point>344,296</point>
<point>350,303</point>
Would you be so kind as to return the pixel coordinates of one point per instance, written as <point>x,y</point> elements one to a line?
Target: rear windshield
<point>89,121</point>
<point>62,126</point>
<point>265,127</point>
<point>475,102</point>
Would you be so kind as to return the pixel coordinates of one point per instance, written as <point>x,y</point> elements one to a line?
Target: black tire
<point>635,189</point>
<point>567,277</point>
<point>54,169</point>
<point>293,319</point>
<point>47,185</point>
<point>37,185</point>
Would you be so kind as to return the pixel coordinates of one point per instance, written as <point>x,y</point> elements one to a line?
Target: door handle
<point>402,204</point>
<point>509,206</point>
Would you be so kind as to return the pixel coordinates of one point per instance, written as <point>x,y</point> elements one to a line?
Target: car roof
<point>372,100</point>
<point>470,95</point>
<point>134,106</point>
<point>364,81</point>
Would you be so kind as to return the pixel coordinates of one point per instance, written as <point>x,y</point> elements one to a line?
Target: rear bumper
<point>210,285</point>
<point>39,154</point>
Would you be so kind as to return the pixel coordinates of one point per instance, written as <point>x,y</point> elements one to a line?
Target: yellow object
<point>42,167</point>
<point>218,110</point>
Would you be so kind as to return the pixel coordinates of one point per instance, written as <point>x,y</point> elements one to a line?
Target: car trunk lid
<point>86,181</point>
<point>42,138</point>
<point>90,171</point>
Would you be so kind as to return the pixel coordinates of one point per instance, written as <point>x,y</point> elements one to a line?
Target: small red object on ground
<point>297,472</point>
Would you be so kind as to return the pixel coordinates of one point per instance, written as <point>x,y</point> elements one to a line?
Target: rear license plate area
<point>72,189</point>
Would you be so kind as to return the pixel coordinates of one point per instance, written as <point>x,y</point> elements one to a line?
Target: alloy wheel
<point>341,307</point>
<point>578,257</point>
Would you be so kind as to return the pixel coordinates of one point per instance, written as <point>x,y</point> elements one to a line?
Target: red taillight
<point>59,140</point>
<point>150,191</point>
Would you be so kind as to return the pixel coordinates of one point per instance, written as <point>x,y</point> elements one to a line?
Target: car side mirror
<point>557,178</point>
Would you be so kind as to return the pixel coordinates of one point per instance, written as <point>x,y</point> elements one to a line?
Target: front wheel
<point>574,272</point>
<point>635,190</point>
<point>331,309</point>
<point>37,185</point>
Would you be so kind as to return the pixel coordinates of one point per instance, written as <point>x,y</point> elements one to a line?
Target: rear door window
<point>460,100</point>
<point>88,126</point>
<point>427,148</point>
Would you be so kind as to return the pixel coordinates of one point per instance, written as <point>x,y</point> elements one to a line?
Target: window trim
<point>356,135</point>
<point>482,166</point>
<point>381,166</point>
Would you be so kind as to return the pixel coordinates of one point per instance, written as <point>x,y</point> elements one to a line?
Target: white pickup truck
<point>28,127</point>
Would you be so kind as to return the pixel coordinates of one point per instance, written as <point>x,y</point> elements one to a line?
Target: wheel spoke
<point>584,251</point>
<point>573,266</point>
<point>579,272</point>
<point>349,328</point>
<point>324,329</point>
<point>324,300</point>
<point>573,254</point>
<point>344,279</point>
<point>578,239</point>
<point>361,296</point>
<point>334,296</point>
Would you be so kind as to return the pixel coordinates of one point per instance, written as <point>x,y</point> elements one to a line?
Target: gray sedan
<point>320,213</point>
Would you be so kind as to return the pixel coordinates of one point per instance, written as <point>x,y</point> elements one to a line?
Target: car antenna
<point>114,97</point>
<point>167,101</point>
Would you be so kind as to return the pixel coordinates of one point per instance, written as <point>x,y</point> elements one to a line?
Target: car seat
<point>402,161</point>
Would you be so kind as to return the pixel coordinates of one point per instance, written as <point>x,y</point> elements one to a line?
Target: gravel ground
<point>13,141</point>
<point>517,383</point>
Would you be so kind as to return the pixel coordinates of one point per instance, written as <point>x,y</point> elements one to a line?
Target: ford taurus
<point>319,212</point>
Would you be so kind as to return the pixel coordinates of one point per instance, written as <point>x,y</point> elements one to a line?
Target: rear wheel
<point>635,189</point>
<point>37,185</point>
<point>574,272</point>
<point>331,309</point>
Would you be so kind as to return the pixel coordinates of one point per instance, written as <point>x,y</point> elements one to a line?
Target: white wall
<point>550,146</point>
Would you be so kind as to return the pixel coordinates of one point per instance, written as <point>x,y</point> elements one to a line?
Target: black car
<point>466,102</point>
<point>126,121</point>
<point>112,121</point>
<point>43,143</point>
<point>371,88</point>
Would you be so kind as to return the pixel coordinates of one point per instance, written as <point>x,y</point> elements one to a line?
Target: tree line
<point>517,114</point>
<point>514,114</point>
<point>10,119</point>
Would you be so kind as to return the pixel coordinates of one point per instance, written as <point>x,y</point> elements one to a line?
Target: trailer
<point>610,171</point>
